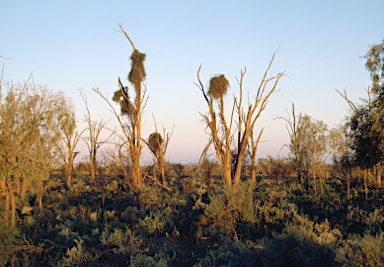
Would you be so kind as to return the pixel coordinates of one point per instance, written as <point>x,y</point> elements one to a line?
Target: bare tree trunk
<point>70,167</point>
<point>227,170</point>
<point>253,173</point>
<point>299,177</point>
<point>2,187</point>
<point>68,176</point>
<point>93,172</point>
<point>237,177</point>
<point>136,171</point>
<point>162,170</point>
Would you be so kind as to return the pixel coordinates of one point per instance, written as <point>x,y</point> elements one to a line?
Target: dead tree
<point>222,129</point>
<point>158,146</point>
<point>132,109</point>
<point>93,141</point>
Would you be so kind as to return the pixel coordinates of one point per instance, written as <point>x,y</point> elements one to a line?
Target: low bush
<point>362,251</point>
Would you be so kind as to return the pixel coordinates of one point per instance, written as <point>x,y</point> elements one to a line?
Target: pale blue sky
<point>75,44</point>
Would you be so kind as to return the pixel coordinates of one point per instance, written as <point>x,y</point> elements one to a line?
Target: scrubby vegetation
<point>229,211</point>
<point>272,222</point>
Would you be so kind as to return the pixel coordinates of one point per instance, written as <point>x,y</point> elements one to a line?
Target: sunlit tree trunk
<point>136,171</point>
<point>2,186</point>
<point>253,144</point>
<point>92,168</point>
<point>253,171</point>
<point>227,170</point>
<point>162,170</point>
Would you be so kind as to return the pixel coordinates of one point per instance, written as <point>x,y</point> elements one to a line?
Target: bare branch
<point>345,97</point>
<point>158,183</point>
<point>204,153</point>
<point>126,35</point>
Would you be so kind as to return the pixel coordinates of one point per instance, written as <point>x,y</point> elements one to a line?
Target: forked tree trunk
<point>68,171</point>
<point>253,173</point>
<point>68,177</point>
<point>239,161</point>
<point>92,170</point>
<point>162,170</point>
<point>136,172</point>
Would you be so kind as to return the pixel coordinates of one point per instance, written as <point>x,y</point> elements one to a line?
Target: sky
<point>72,45</point>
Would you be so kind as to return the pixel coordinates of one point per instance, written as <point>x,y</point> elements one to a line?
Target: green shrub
<point>152,223</point>
<point>121,242</point>
<point>273,211</point>
<point>226,208</point>
<point>362,251</point>
<point>361,220</point>
<point>149,197</point>
<point>78,188</point>
<point>234,254</point>
<point>8,241</point>
<point>143,260</point>
<point>302,244</point>
<point>76,256</point>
